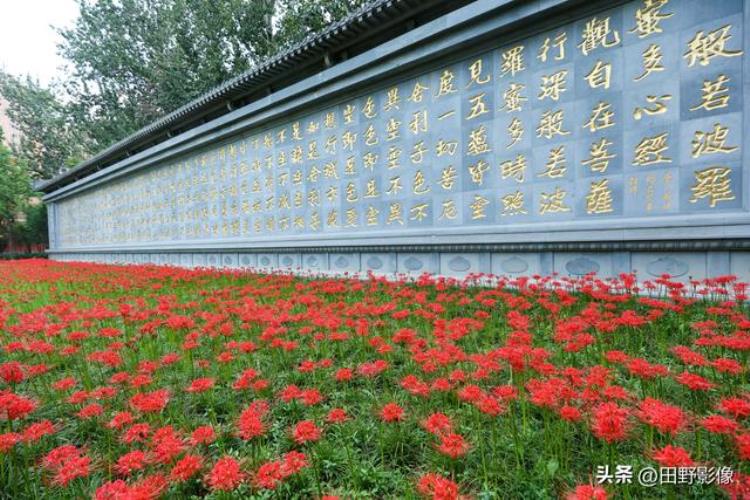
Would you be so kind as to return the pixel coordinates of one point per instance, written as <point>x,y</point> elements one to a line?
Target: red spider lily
<point>437,487</point>
<point>150,402</point>
<point>392,412</point>
<point>251,423</point>
<point>438,424</point>
<point>453,445</point>
<point>337,416</point>
<point>673,456</point>
<point>14,407</point>
<point>66,463</point>
<point>587,492</point>
<point>34,432</point>
<point>306,431</point>
<point>743,445</point>
<point>718,424</point>
<point>130,462</point>
<point>200,385</point>
<point>664,417</point>
<point>736,407</point>
<point>610,422</point>
<point>203,435</point>
<point>11,372</point>
<point>694,382</point>
<point>225,475</point>
<point>185,468</point>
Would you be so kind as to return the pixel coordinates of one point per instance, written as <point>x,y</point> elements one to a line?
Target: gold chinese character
<point>392,129</point>
<point>351,193</point>
<point>599,156</point>
<point>512,98</point>
<point>419,212</point>
<point>559,43</point>
<point>369,108</point>
<point>714,94</point>
<point>449,210</point>
<point>350,167</point>
<point>448,178</point>
<point>478,170</point>
<point>333,218</point>
<point>446,147</point>
<point>597,32</point>
<point>371,137</point>
<point>475,74</point>
<point>551,124</point>
<point>601,117</point>
<point>395,214</point>
<point>479,207</point>
<point>330,145</point>
<point>647,19</point>
<point>330,170</point>
<point>658,108</point>
<point>515,169</point>
<point>392,99</point>
<point>418,122</point>
<point>447,114</point>
<point>553,85</point>
<point>348,139</point>
<point>371,189</point>
<point>478,106</point>
<point>703,47</point>
<point>315,221</point>
<point>372,215</point>
<point>712,183</point>
<point>446,84</point>
<point>599,198</point>
<point>332,193</point>
<point>417,94</point>
<point>330,120</point>
<point>420,184</point>
<point>599,76</point>
<point>369,160</point>
<point>418,152</point>
<point>348,113</point>
<point>312,127</point>
<point>394,157</point>
<point>478,141</point>
<point>553,202</point>
<point>394,186</point>
<point>651,150</point>
<point>555,166</point>
<point>512,61</point>
<point>652,61</point>
<point>711,142</point>
<point>513,204</point>
<point>297,131</point>
<point>633,184</point>
<point>351,217</point>
<point>515,132</point>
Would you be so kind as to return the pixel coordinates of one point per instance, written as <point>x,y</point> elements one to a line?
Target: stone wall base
<point>682,266</point>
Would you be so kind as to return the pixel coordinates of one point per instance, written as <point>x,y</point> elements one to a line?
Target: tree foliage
<point>50,139</point>
<point>15,189</point>
<point>132,61</point>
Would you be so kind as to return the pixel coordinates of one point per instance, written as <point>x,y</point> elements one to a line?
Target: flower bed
<point>148,382</point>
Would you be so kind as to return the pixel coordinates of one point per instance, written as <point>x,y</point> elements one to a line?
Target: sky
<point>28,44</point>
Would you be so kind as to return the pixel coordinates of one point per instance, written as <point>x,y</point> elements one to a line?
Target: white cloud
<point>28,43</point>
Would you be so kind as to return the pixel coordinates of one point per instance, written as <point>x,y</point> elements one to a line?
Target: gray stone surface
<point>610,138</point>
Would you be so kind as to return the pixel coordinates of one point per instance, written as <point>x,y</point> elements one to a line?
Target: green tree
<point>50,140</point>
<point>135,60</point>
<point>15,190</point>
